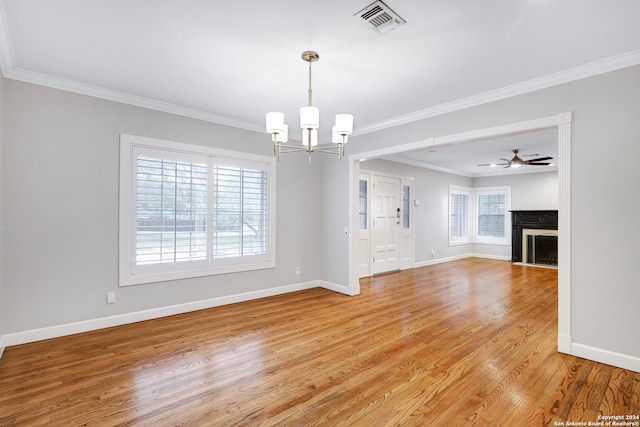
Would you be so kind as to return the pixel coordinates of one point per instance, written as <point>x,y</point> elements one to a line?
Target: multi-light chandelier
<point>309,122</point>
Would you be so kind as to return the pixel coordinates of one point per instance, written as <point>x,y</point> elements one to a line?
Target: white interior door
<point>386,218</point>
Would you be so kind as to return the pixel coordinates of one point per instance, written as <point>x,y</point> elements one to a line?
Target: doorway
<point>385,239</point>
<point>561,122</point>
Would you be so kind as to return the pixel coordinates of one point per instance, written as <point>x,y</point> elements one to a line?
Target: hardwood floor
<point>470,342</point>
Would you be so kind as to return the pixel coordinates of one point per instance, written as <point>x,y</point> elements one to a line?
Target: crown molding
<point>9,70</point>
<point>424,165</point>
<point>594,68</point>
<point>125,98</point>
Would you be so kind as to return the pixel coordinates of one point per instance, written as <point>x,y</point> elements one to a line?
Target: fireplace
<point>540,246</point>
<point>534,237</point>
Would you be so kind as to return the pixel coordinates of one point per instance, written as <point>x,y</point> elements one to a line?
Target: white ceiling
<point>230,62</point>
<point>463,159</point>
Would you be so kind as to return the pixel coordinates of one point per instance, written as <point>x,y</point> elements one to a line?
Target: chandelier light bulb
<point>282,137</point>
<point>309,117</point>
<point>344,124</point>
<point>309,133</point>
<point>275,122</point>
<point>337,137</point>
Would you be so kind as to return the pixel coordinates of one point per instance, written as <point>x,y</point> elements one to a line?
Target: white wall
<point>61,153</point>
<point>2,298</point>
<point>604,284</point>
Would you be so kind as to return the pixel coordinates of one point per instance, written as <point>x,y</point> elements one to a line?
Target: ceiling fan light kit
<point>309,123</point>
<point>516,161</point>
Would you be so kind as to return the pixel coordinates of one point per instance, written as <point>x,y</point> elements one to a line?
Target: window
<point>406,206</point>
<point>479,215</point>
<point>459,215</point>
<point>188,211</point>
<point>492,215</point>
<point>363,204</point>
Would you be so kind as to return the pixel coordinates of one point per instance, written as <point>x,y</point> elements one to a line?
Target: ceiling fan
<point>516,162</point>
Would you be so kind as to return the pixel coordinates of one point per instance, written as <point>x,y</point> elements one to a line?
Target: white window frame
<point>460,240</point>
<point>473,237</point>
<point>489,240</point>
<point>129,273</point>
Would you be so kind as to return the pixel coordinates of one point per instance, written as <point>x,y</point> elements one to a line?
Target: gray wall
<point>61,153</point>
<point>605,289</point>
<point>334,245</point>
<point>531,191</point>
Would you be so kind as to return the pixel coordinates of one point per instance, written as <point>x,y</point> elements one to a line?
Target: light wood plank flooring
<point>470,342</point>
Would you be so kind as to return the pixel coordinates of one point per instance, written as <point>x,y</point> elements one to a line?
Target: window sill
<point>144,278</point>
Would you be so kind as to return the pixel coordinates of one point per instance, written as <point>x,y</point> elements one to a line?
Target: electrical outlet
<point>111,297</point>
<point>433,253</point>
<point>298,270</point>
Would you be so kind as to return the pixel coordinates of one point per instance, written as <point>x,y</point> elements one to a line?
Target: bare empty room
<point>319,213</point>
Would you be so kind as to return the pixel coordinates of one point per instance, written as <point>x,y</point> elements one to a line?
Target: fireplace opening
<point>542,250</point>
<point>540,247</point>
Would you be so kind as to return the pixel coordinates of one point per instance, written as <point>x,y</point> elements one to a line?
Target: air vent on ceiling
<point>380,17</point>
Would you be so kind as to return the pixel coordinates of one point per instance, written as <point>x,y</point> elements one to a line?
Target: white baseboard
<point>564,344</point>
<point>154,313</point>
<point>496,257</point>
<point>439,260</point>
<point>623,361</point>
<point>458,257</point>
<point>2,345</point>
<point>343,289</point>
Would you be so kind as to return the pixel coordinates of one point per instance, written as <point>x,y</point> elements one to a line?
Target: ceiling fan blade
<point>541,159</point>
<point>538,164</point>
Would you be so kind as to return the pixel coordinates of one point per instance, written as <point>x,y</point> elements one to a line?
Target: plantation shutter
<point>460,215</point>
<point>171,210</point>
<point>240,226</point>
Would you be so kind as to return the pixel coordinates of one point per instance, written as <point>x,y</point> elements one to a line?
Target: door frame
<point>562,122</point>
<point>406,260</point>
